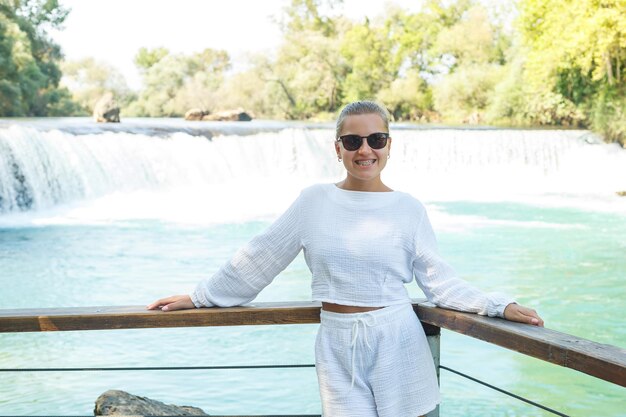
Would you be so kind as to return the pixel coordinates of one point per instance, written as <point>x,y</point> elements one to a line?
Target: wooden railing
<point>599,360</point>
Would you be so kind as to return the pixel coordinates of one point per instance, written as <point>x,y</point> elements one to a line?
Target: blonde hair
<point>362,107</point>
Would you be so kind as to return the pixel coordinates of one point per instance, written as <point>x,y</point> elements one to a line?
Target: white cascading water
<point>507,164</point>
<point>52,174</point>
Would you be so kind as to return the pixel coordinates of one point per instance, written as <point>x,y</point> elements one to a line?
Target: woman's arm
<point>250,270</point>
<point>442,286</point>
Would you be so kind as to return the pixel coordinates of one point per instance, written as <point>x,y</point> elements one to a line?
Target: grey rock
<point>237,115</point>
<point>106,110</point>
<point>118,403</point>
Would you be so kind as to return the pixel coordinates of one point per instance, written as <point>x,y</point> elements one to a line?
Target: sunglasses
<point>353,142</point>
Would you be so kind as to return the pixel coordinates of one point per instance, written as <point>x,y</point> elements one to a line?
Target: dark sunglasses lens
<point>377,140</point>
<point>351,142</point>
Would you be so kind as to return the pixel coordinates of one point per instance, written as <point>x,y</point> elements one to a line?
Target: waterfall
<point>45,166</point>
<point>505,163</point>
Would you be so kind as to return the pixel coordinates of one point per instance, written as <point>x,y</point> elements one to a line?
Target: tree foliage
<point>560,33</point>
<point>175,83</point>
<point>146,58</point>
<point>576,54</point>
<point>372,67</point>
<point>89,80</point>
<point>561,63</point>
<point>308,73</point>
<point>29,70</point>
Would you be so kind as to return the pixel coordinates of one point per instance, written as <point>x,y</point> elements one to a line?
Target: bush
<point>549,108</point>
<point>508,97</point>
<point>408,98</point>
<point>608,117</point>
<point>465,94</point>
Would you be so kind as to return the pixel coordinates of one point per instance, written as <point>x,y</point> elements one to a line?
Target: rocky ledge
<point>236,115</point>
<point>121,403</point>
<point>107,110</point>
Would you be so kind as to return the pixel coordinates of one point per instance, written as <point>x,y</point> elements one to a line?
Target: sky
<point>112,31</point>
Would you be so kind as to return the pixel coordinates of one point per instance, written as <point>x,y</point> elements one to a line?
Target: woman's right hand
<point>175,302</point>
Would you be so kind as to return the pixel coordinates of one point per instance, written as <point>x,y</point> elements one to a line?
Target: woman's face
<point>365,164</point>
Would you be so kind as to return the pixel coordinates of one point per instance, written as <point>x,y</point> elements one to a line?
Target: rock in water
<point>237,115</point>
<point>107,110</point>
<point>195,114</point>
<point>117,403</point>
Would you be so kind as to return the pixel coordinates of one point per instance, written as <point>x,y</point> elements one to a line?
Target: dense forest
<point>528,63</point>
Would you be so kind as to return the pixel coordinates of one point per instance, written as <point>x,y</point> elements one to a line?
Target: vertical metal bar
<point>433,335</point>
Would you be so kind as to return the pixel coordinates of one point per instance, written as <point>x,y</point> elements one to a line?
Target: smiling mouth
<point>365,163</point>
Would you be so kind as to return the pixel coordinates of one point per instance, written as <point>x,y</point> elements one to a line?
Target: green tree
<point>576,54</point>
<point>465,94</point>
<point>309,70</point>
<point>10,91</point>
<point>177,82</point>
<point>89,80</point>
<point>471,54</point>
<point>29,70</point>
<point>471,40</point>
<point>408,98</point>
<point>368,51</point>
<point>304,15</point>
<point>251,91</point>
<point>306,77</point>
<point>414,36</point>
<point>399,61</point>
<point>559,34</point>
<point>146,58</point>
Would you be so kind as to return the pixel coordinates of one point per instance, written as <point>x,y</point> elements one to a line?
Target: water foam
<point>56,177</point>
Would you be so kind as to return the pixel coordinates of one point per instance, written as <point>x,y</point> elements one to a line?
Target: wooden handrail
<point>600,360</point>
<point>603,361</point>
<point>137,317</point>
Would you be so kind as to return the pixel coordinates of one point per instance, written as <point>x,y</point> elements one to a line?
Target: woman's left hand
<point>516,312</point>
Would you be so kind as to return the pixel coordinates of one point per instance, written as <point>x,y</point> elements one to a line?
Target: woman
<point>362,242</point>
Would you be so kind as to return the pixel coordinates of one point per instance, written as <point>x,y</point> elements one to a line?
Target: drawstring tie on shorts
<point>367,320</point>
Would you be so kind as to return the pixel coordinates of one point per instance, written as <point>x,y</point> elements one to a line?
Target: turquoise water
<point>566,263</point>
<point>128,214</point>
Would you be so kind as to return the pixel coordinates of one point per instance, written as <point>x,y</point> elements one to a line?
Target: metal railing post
<point>433,335</point>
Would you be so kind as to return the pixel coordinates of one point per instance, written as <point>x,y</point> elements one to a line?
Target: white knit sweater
<point>361,247</point>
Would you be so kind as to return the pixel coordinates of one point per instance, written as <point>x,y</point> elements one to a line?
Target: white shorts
<point>375,364</point>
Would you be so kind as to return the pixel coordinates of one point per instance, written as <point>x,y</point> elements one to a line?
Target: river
<point>125,214</point>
